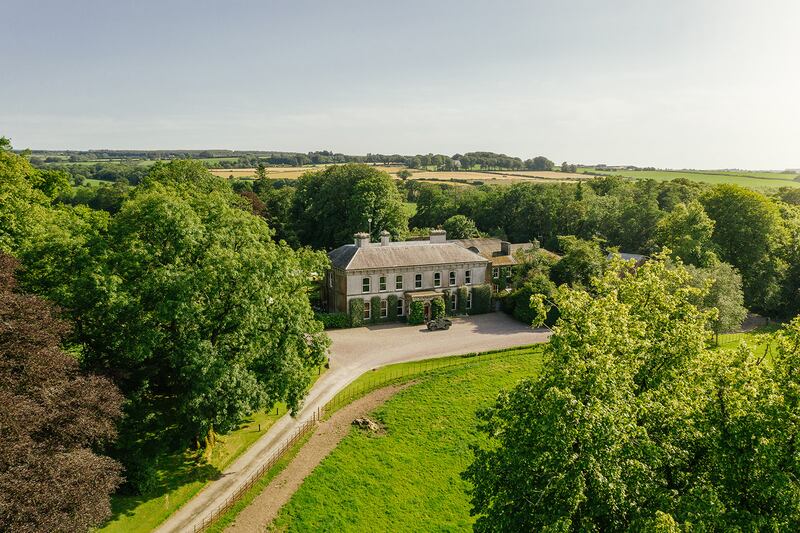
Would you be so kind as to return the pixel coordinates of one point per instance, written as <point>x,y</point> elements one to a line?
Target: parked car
<point>439,323</point>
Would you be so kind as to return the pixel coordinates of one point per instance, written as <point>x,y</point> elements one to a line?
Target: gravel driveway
<point>355,351</point>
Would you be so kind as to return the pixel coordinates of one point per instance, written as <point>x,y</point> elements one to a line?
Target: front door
<point>427,310</point>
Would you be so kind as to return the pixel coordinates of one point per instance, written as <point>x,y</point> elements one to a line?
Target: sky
<point>672,84</point>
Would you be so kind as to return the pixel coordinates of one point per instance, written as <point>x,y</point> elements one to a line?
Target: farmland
<point>745,178</point>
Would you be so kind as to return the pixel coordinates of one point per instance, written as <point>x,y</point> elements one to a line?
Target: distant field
<point>753,180</point>
<point>289,173</point>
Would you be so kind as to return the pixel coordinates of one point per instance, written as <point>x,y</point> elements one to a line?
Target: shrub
<point>391,301</point>
<point>375,309</point>
<point>334,320</point>
<point>481,299</point>
<point>461,304</point>
<point>416,314</point>
<point>437,308</point>
<point>356,312</point>
<point>447,295</point>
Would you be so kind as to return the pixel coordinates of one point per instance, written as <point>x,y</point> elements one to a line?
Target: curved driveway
<point>353,352</point>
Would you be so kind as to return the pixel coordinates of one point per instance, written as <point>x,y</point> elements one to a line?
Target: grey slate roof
<point>490,248</point>
<point>401,254</point>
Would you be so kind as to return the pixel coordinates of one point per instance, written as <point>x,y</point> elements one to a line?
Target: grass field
<point>181,476</point>
<point>409,479</point>
<point>753,180</point>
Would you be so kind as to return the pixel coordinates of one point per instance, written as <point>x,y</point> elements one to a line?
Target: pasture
<point>744,178</point>
<point>408,479</point>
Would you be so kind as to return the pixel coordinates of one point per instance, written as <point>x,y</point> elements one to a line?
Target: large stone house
<point>409,271</point>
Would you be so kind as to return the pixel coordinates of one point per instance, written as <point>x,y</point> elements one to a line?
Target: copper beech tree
<point>52,417</point>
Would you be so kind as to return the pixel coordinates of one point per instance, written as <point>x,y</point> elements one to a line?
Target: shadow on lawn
<point>175,471</point>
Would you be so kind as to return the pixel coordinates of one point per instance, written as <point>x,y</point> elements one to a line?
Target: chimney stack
<point>362,239</point>
<point>505,248</point>
<point>386,238</point>
<point>438,236</point>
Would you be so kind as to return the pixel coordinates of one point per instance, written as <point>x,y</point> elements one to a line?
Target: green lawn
<point>409,479</point>
<point>182,476</point>
<point>753,180</point>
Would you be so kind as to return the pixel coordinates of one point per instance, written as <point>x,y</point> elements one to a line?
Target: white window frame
<point>367,310</point>
<point>398,283</point>
<point>330,279</point>
<point>400,307</point>
<point>417,281</point>
<point>495,272</point>
<point>453,302</point>
<point>368,284</point>
<point>437,279</point>
<point>468,277</point>
<point>469,300</point>
<point>384,308</point>
<point>382,284</point>
<point>452,277</point>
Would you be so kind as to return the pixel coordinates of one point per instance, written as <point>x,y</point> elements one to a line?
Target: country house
<point>389,276</point>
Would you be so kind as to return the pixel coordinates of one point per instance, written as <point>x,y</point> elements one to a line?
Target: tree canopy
<point>331,205</point>
<point>633,424</point>
<point>52,417</point>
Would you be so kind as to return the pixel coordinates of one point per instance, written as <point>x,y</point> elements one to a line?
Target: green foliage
<point>748,231</point>
<point>518,303</point>
<point>461,300</point>
<point>416,313</point>
<point>344,197</point>
<point>582,261</point>
<point>375,309</point>
<point>724,293</point>
<point>481,299</point>
<point>391,302</point>
<point>356,312</point>
<point>217,318</point>
<point>634,425</point>
<point>438,308</point>
<point>460,227</point>
<point>687,232</point>
<point>333,320</point>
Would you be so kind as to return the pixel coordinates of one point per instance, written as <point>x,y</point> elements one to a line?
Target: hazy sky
<point>696,84</point>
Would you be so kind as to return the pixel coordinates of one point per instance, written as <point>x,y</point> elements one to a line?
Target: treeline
<point>759,235</point>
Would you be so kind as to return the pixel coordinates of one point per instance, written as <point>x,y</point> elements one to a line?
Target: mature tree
<point>748,231</point>
<point>539,162</point>
<point>687,232</point>
<point>570,453</point>
<point>582,260</point>
<point>634,425</point>
<point>331,205</point>
<point>51,418</point>
<point>404,174</point>
<point>21,204</point>
<point>723,286</point>
<point>435,204</point>
<point>216,315</point>
<point>460,227</point>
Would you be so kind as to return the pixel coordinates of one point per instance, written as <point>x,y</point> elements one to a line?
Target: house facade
<point>399,273</point>
<point>501,257</point>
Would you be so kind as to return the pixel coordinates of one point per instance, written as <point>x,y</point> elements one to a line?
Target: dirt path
<point>264,508</point>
